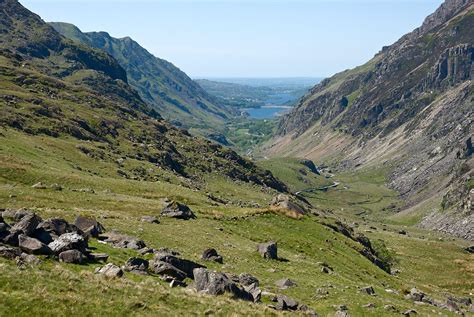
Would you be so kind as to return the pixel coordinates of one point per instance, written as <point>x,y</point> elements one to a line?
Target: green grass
<point>296,175</point>
<point>119,203</point>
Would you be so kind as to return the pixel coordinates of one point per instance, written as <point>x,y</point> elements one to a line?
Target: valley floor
<point>435,264</point>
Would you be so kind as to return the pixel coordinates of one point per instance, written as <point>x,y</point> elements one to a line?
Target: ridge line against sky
<point>243,38</point>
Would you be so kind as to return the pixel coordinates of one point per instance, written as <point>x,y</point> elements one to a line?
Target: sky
<point>248,38</point>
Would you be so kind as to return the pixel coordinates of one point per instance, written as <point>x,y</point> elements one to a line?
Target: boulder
<point>268,250</point>
<point>253,290</point>
<point>123,241</point>
<point>211,255</point>
<point>215,283</point>
<point>10,238</point>
<point>43,236</point>
<point>98,257</point>
<point>4,228</point>
<point>416,295</point>
<point>283,201</point>
<point>150,219</point>
<point>410,312</point>
<point>167,270</point>
<point>27,224</point>
<point>29,259</point>
<point>470,249</point>
<point>110,270</point>
<point>69,241</point>
<point>32,245</point>
<point>57,226</point>
<point>136,265</point>
<point>72,256</point>
<point>17,215</point>
<point>307,311</point>
<point>284,283</point>
<point>182,265</point>
<point>286,303</point>
<point>89,226</point>
<point>9,252</point>
<point>177,210</point>
<point>247,279</point>
<point>369,290</point>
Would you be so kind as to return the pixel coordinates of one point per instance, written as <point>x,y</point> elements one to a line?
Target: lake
<point>266,112</point>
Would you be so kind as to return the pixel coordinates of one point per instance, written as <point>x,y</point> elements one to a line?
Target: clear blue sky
<point>248,38</point>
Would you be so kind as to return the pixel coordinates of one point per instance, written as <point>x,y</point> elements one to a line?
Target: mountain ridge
<point>398,111</point>
<point>164,86</point>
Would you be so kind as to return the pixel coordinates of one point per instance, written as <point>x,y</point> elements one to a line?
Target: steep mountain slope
<point>55,87</point>
<point>169,90</point>
<point>410,109</point>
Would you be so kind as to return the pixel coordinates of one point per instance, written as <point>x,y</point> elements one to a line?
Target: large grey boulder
<point>167,270</point>
<point>69,241</point>
<point>246,279</point>
<point>211,255</point>
<point>123,241</point>
<point>215,283</point>
<point>286,303</point>
<point>268,250</point>
<point>110,270</point>
<point>9,253</point>
<point>27,224</point>
<point>284,283</point>
<point>57,226</point>
<point>89,226</point>
<point>72,256</point>
<point>32,245</point>
<point>174,209</point>
<point>43,236</point>
<point>369,290</point>
<point>183,265</point>
<point>416,295</point>
<point>136,265</point>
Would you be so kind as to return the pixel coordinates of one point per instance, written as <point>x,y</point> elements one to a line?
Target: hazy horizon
<point>249,39</point>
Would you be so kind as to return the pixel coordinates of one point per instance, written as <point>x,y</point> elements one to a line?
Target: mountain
<point>409,111</point>
<point>57,88</point>
<point>165,87</point>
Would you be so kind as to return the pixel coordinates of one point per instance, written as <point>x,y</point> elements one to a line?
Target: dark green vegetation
<point>242,96</point>
<point>167,89</point>
<point>70,120</point>
<point>410,108</point>
<point>246,134</point>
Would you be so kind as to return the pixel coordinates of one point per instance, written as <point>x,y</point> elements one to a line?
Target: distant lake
<point>266,112</point>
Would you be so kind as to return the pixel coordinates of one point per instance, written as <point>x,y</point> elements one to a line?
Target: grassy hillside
<point>234,231</point>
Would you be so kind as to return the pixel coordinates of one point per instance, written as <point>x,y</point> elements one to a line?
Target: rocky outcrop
<point>174,209</point>
<point>215,283</point>
<point>268,250</point>
<point>409,108</point>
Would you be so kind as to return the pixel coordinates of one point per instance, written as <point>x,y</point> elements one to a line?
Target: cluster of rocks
<point>29,235</point>
<point>452,303</point>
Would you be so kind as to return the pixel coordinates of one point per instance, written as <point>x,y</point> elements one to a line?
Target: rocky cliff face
<point>165,87</point>
<point>411,107</point>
